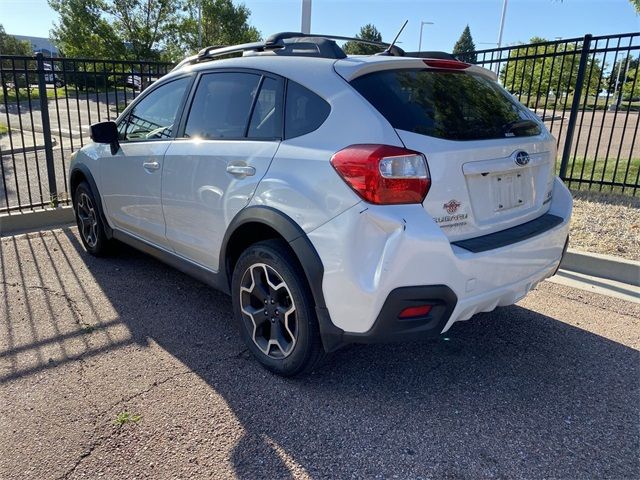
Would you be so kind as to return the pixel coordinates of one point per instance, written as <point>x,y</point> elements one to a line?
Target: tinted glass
<point>154,116</point>
<point>221,105</point>
<point>305,111</point>
<point>446,104</point>
<point>266,121</point>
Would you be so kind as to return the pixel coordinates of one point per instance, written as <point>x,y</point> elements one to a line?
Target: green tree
<point>465,47</point>
<point>143,24</point>
<point>223,23</point>
<point>552,71</point>
<point>621,72</point>
<point>636,5</point>
<point>368,32</point>
<point>10,45</point>
<point>631,88</point>
<point>83,31</point>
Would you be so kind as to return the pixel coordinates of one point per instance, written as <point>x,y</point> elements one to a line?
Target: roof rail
<point>209,53</point>
<point>275,42</point>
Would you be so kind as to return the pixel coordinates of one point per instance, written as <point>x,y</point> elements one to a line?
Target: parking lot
<point>125,368</point>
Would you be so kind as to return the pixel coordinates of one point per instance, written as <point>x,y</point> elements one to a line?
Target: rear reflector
<point>412,312</point>
<point>448,64</point>
<point>384,174</point>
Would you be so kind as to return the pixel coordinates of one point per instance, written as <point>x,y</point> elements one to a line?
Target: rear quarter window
<point>304,111</point>
<point>446,104</point>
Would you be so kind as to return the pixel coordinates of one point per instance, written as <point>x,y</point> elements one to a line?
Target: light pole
<point>422,24</point>
<point>306,16</point>
<point>504,14</point>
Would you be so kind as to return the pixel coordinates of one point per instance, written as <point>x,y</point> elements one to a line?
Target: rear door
<point>231,132</point>
<point>491,160</point>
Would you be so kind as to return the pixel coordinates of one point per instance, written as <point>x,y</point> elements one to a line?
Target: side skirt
<point>209,277</point>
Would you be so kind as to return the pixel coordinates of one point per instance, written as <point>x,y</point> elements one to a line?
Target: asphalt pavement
<point>122,368</point>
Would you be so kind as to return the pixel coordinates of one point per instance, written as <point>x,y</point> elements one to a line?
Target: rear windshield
<point>446,104</point>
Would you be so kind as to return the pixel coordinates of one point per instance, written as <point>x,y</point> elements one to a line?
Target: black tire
<point>297,329</point>
<point>89,221</point>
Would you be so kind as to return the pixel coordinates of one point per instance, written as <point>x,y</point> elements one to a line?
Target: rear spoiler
<point>354,67</point>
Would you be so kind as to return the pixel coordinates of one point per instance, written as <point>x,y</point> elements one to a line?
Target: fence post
<point>46,127</point>
<point>575,106</point>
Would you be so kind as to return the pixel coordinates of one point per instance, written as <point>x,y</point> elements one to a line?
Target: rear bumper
<point>370,252</point>
<point>388,327</point>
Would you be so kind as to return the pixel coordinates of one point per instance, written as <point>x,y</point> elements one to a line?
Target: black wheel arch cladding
<point>292,233</point>
<point>83,171</point>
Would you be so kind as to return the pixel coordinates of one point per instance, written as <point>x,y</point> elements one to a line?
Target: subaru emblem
<point>522,158</point>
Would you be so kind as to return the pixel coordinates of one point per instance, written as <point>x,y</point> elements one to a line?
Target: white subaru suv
<point>336,199</point>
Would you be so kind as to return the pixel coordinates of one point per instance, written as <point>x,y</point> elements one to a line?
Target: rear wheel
<point>89,222</point>
<point>275,310</point>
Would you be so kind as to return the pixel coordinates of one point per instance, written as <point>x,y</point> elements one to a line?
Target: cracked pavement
<point>549,388</point>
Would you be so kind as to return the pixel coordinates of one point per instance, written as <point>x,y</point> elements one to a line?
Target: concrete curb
<point>12,224</point>
<point>30,148</point>
<point>603,266</point>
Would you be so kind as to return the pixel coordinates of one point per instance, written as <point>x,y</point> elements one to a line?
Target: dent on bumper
<point>369,251</point>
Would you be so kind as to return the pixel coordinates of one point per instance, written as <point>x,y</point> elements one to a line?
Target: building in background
<point>40,44</point>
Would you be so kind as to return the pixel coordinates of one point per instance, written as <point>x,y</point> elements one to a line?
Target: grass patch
<point>579,173</point>
<point>23,94</point>
<point>126,417</point>
<point>3,129</point>
<point>601,103</point>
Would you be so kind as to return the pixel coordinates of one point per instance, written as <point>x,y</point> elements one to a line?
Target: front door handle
<point>243,170</point>
<point>151,166</point>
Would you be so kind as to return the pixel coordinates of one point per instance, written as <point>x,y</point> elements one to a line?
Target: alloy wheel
<point>88,219</point>
<point>268,308</point>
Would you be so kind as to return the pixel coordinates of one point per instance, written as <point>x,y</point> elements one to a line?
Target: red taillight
<point>448,64</point>
<point>383,174</point>
<point>412,312</point>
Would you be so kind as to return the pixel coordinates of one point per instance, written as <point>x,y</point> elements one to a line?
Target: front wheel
<point>89,222</point>
<point>274,309</point>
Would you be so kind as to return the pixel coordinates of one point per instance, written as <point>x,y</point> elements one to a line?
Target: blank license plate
<point>508,191</point>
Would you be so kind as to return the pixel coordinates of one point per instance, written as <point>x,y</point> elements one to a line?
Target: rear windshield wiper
<point>508,128</point>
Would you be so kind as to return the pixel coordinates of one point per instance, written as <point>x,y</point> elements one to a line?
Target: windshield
<point>446,104</point>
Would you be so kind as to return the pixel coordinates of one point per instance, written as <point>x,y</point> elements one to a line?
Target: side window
<point>304,112</point>
<point>221,105</point>
<point>154,116</point>
<point>266,120</point>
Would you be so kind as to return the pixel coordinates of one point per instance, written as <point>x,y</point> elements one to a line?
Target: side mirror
<point>106,132</point>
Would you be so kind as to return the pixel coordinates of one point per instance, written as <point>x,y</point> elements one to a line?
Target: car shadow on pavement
<point>513,393</point>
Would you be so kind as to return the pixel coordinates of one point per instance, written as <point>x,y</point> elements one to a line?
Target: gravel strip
<point>606,223</point>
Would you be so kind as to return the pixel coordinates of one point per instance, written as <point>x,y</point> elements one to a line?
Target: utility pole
<point>422,24</point>
<point>306,16</point>
<point>504,14</point>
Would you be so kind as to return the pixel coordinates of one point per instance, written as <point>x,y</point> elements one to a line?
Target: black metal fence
<point>587,91</point>
<point>46,108</point>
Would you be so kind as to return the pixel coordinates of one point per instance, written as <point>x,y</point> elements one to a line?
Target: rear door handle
<point>244,170</point>
<point>151,166</point>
